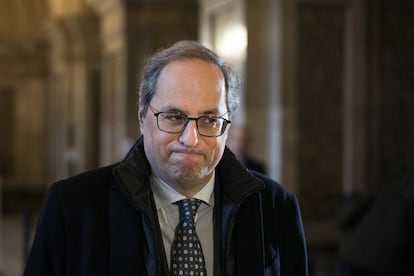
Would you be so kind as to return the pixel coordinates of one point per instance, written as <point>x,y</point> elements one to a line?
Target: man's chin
<point>190,174</point>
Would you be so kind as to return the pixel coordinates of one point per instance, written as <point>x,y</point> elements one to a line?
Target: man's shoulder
<point>89,180</point>
<point>274,188</point>
<point>267,180</point>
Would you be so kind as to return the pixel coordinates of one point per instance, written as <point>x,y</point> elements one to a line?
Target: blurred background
<point>327,98</point>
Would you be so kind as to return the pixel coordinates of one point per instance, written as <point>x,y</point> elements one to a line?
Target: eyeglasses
<point>176,122</point>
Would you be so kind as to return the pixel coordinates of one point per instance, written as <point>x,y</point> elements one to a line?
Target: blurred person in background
<point>238,143</point>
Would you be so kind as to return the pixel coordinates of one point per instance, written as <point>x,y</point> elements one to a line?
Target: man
<point>122,219</point>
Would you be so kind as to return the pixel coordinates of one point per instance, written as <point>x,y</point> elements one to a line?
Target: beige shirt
<point>168,216</point>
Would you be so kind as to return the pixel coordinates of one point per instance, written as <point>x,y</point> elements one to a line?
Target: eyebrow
<point>177,110</point>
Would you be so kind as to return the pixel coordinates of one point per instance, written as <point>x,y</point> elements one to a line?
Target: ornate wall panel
<point>392,92</point>
<point>320,106</point>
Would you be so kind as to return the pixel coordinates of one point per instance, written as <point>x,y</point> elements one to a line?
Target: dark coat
<point>104,222</point>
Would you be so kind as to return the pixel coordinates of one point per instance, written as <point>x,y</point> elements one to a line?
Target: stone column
<point>22,97</point>
<point>113,118</point>
<point>223,30</point>
<point>263,82</point>
<point>73,99</point>
<point>130,32</point>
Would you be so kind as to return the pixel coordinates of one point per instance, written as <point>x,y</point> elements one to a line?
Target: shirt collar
<point>165,195</point>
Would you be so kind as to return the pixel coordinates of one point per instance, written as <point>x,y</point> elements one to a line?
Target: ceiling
<point>22,20</point>
<point>25,20</point>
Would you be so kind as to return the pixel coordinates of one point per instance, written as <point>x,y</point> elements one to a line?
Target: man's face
<point>185,160</point>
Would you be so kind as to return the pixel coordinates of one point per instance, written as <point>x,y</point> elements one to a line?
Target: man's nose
<point>189,136</point>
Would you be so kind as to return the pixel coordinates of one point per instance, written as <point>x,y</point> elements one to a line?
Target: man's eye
<point>174,117</point>
<point>209,120</point>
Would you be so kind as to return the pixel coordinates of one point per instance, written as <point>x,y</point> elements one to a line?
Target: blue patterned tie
<point>186,253</point>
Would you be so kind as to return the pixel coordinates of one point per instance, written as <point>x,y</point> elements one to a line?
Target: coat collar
<point>134,171</point>
<point>132,175</point>
<point>236,192</point>
<point>234,183</point>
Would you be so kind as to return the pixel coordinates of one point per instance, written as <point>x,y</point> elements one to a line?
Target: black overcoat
<point>104,222</point>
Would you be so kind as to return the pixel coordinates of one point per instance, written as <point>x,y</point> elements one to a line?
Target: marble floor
<point>12,245</point>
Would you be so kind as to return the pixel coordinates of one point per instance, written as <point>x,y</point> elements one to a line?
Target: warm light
<point>232,42</point>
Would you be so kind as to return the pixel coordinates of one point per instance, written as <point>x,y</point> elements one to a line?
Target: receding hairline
<point>181,51</point>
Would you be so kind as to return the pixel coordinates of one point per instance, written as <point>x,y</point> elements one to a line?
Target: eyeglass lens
<point>176,123</point>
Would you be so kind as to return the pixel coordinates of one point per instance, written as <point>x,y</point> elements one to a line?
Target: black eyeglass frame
<point>188,119</point>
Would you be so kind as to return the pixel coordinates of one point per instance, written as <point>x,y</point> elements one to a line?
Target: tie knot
<point>188,208</point>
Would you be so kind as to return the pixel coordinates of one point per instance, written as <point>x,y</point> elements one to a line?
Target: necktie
<point>186,253</point>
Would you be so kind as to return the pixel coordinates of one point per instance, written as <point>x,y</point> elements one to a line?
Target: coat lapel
<point>238,219</point>
<point>132,175</point>
<point>241,236</point>
<point>248,238</point>
<point>126,258</point>
<point>240,227</point>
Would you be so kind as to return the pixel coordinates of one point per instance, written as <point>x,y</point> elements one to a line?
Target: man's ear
<point>141,115</point>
